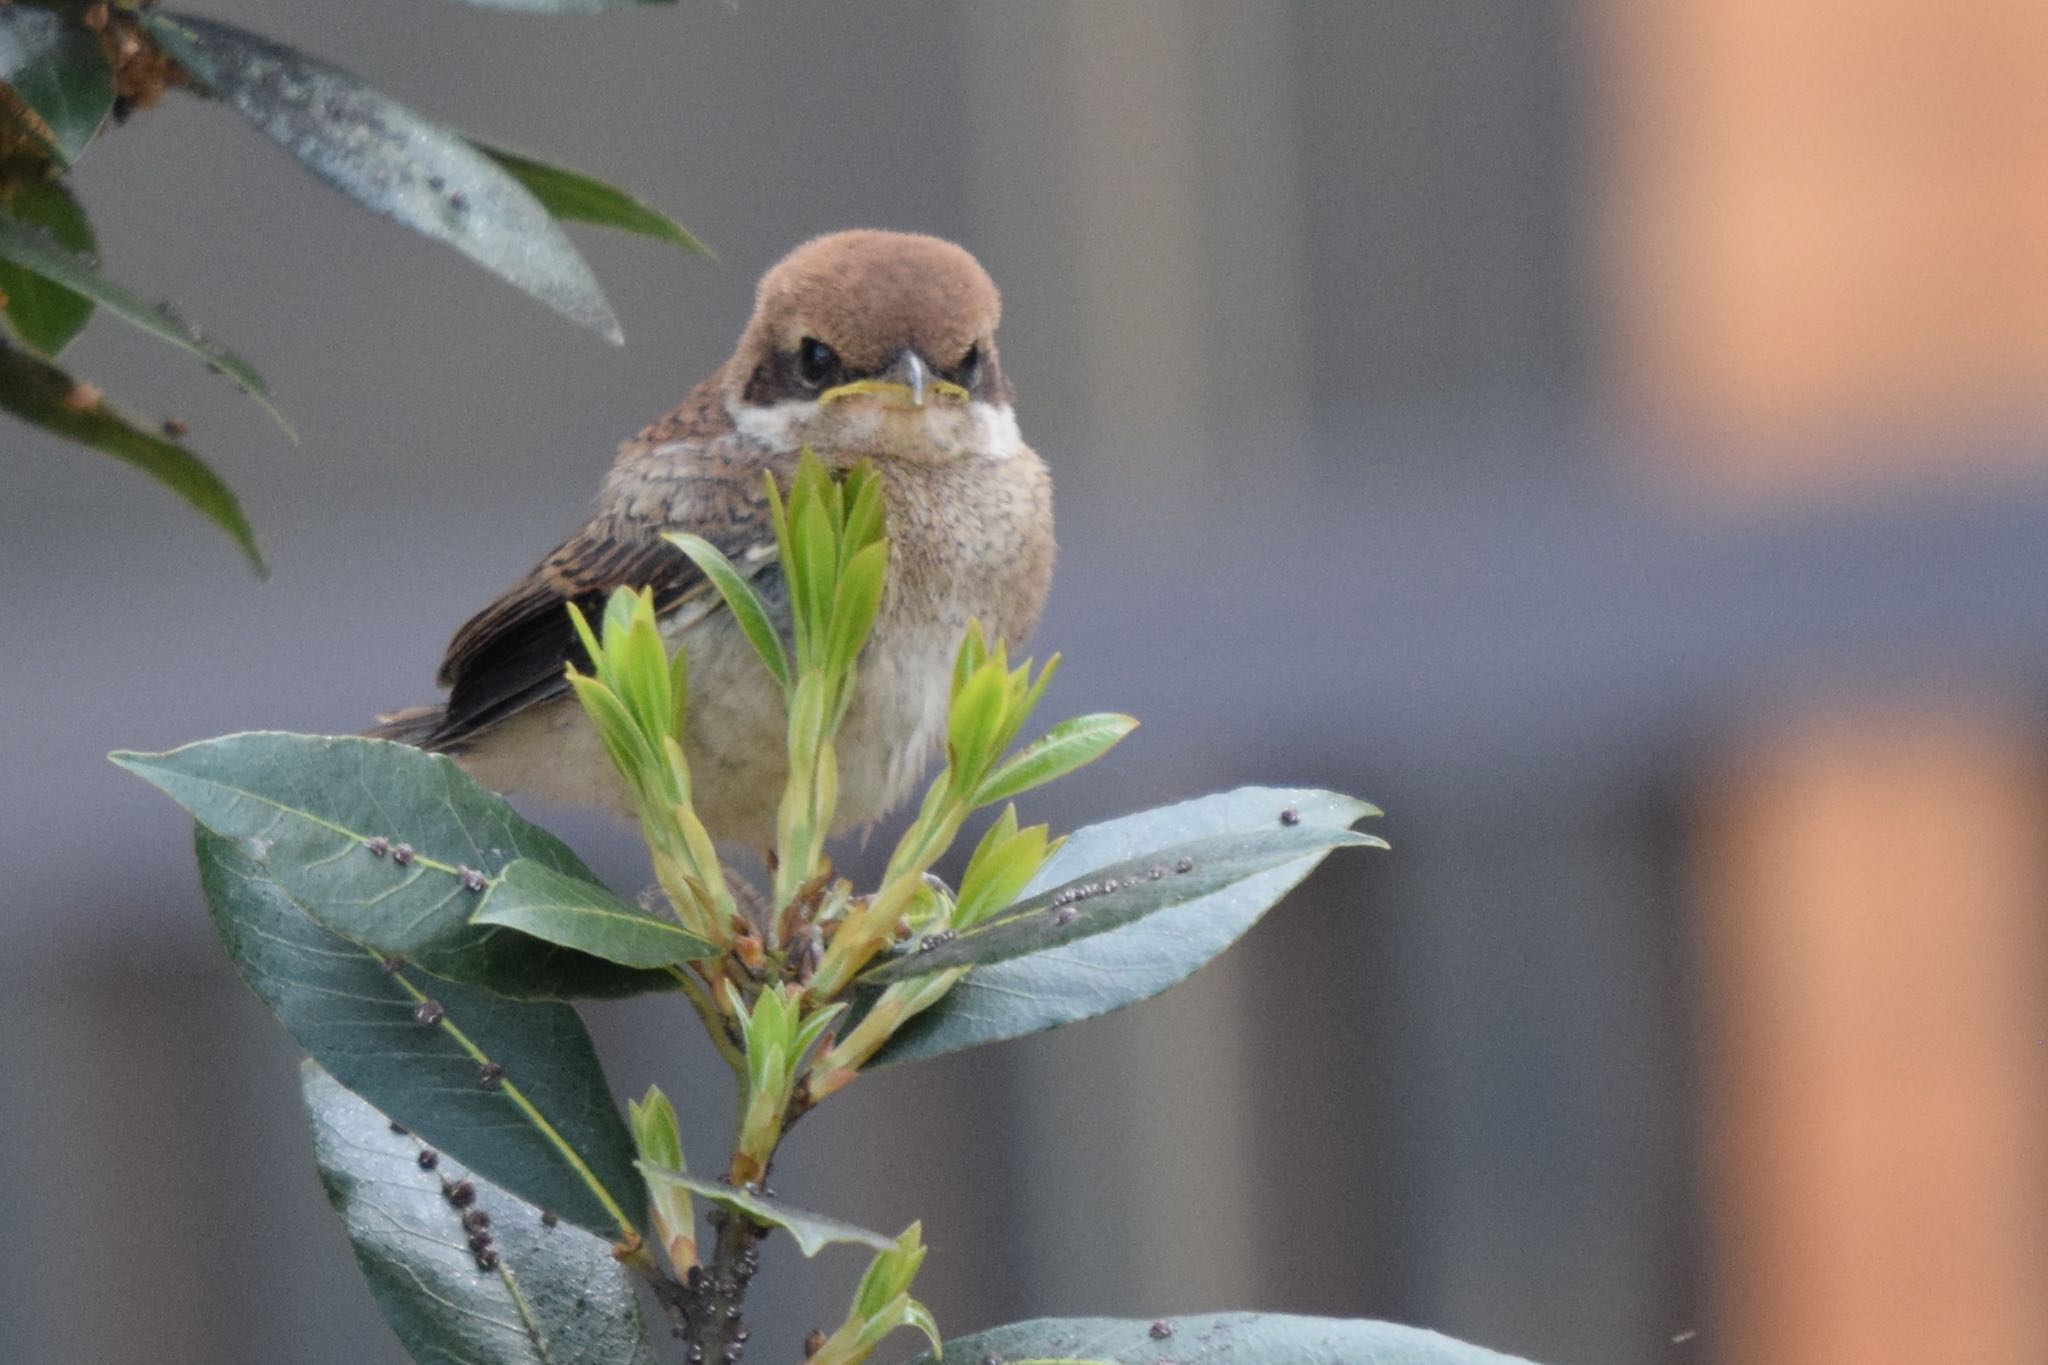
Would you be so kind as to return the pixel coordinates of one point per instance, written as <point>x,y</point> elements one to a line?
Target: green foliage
<point>537,900</point>
<point>389,848</point>
<point>390,160</point>
<point>635,695</point>
<point>1097,975</point>
<point>546,1129</point>
<point>43,395</point>
<point>43,312</point>
<point>882,1304</point>
<point>61,85</point>
<point>812,1232</point>
<point>466,1272</point>
<point>659,1140</point>
<point>39,254</point>
<point>370,893</point>
<point>1212,1339</point>
<point>501,209</point>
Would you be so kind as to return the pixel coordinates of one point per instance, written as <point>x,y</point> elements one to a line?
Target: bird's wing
<point>511,655</point>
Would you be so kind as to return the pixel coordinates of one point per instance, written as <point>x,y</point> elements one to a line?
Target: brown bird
<point>863,346</point>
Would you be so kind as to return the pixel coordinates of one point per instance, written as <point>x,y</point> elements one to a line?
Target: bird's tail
<point>416,725</point>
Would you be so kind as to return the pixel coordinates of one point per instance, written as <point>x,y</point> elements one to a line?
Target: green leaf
<point>740,599</point>
<point>1215,1339</point>
<point>391,160</point>
<point>552,1294</point>
<point>55,67</point>
<point>537,900</point>
<point>39,253</point>
<point>655,1132</point>
<point>363,1024</point>
<point>1003,864</point>
<point>1069,745</point>
<point>564,6</point>
<point>1120,894</point>
<point>43,313</point>
<point>579,198</point>
<point>813,1231</point>
<point>1136,962</point>
<point>44,396</point>
<point>311,809</point>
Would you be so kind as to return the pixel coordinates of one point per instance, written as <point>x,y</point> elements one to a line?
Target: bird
<point>863,346</point>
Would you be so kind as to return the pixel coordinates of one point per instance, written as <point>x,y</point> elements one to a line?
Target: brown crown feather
<point>869,294</point>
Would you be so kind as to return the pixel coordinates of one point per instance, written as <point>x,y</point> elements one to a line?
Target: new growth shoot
<point>786,975</point>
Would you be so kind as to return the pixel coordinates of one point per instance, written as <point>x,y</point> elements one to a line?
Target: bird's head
<point>875,344</point>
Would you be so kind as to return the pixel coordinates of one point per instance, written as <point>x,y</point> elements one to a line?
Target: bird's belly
<point>736,738</point>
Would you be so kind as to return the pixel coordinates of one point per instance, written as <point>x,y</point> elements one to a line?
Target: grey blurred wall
<point>1294,306</point>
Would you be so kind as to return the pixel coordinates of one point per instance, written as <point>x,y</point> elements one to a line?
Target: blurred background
<point>1608,435</point>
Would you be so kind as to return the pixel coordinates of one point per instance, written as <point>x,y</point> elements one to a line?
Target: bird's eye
<point>969,368</point>
<point>816,363</point>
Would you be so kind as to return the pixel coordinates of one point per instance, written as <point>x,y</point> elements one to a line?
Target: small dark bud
<point>399,1128</point>
<point>1184,865</point>
<point>461,1194</point>
<point>1161,1330</point>
<point>458,200</point>
<point>1290,816</point>
<point>479,1241</point>
<point>1066,916</point>
<point>814,1342</point>
<point>490,1073</point>
<point>429,1158</point>
<point>487,1259</point>
<point>391,964</point>
<point>472,880</point>
<point>379,845</point>
<point>429,1013</point>
<point>476,1220</point>
<point>548,1218</point>
<point>402,854</point>
<point>176,428</point>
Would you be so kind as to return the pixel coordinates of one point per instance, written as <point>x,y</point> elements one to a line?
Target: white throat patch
<point>985,429</point>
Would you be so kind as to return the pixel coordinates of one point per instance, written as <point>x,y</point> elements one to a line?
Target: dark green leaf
<point>391,160</point>
<point>552,1295</point>
<point>1138,961</point>
<point>1120,894</point>
<point>580,914</point>
<point>36,251</point>
<point>580,198</point>
<point>56,68</point>
<point>42,395</point>
<point>1216,1339</point>
<point>43,313</point>
<point>363,1023</point>
<point>564,6</point>
<point>311,809</point>
<point>813,1231</point>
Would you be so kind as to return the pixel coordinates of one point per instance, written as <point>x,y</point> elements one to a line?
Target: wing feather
<point>512,654</point>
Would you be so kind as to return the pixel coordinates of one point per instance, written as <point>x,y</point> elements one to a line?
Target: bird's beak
<point>906,382</point>
<point>909,372</point>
